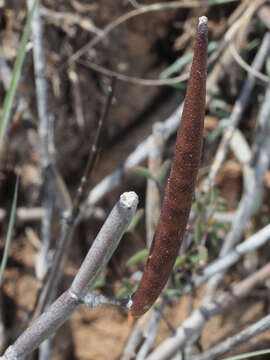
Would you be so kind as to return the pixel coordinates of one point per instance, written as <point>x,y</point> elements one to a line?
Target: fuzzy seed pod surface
<point>181,184</point>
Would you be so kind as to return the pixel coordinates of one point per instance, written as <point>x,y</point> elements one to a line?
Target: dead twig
<point>94,263</point>
<point>194,323</point>
<point>237,112</point>
<point>255,179</point>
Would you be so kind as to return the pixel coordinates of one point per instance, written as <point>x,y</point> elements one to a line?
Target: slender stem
<point>94,263</point>
<point>238,339</point>
<point>63,244</point>
<point>237,111</point>
<point>152,208</point>
<point>251,193</point>
<point>105,244</point>
<point>95,148</point>
<point>140,153</point>
<point>195,322</point>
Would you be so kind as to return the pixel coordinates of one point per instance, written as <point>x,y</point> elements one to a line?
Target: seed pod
<point>181,184</point>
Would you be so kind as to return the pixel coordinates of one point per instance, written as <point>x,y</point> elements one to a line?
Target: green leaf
<point>127,290</point>
<point>179,261</point>
<point>253,44</point>
<point>16,74</point>
<point>179,86</point>
<point>193,259</point>
<point>139,256</point>
<point>177,66</point>
<point>140,170</point>
<point>180,63</point>
<point>100,282</point>
<point>164,169</point>
<point>171,292</point>
<point>135,220</point>
<point>248,355</point>
<point>10,231</point>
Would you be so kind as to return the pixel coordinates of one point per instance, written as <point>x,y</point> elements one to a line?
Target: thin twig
<point>153,202</point>
<point>140,153</point>
<point>64,241</point>
<point>252,189</point>
<point>133,79</point>
<point>170,125</point>
<point>151,330</point>
<point>44,129</point>
<point>135,338</point>
<point>194,323</point>
<point>221,264</point>
<point>237,111</point>
<point>123,18</point>
<point>244,65</point>
<point>231,343</point>
<point>67,19</point>
<point>77,99</point>
<point>94,263</point>
<point>95,148</point>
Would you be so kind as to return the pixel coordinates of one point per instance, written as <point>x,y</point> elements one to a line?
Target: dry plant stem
<point>239,20</point>
<point>253,243</point>
<point>146,327</point>
<point>132,79</point>
<point>232,342</point>
<point>152,208</point>
<point>140,153</point>
<point>94,263</point>
<point>135,338</point>
<point>237,112</point>
<point>241,62</point>
<point>69,19</point>
<point>44,129</point>
<point>247,13</point>
<point>64,242</point>
<point>104,245</point>
<point>77,99</point>
<point>194,323</point>
<point>5,72</point>
<point>137,156</point>
<point>24,214</point>
<point>255,180</point>
<point>142,10</point>
<point>95,148</point>
<point>264,15</point>
<point>41,86</point>
<point>150,332</point>
<point>181,184</point>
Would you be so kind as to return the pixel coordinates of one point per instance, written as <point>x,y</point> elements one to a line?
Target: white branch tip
<point>203,20</point>
<point>129,199</point>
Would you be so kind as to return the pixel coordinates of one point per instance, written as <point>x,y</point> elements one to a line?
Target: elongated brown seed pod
<point>181,184</point>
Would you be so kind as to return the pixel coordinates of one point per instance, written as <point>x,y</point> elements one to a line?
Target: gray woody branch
<point>251,194</point>
<point>227,345</point>
<point>195,322</point>
<point>98,256</point>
